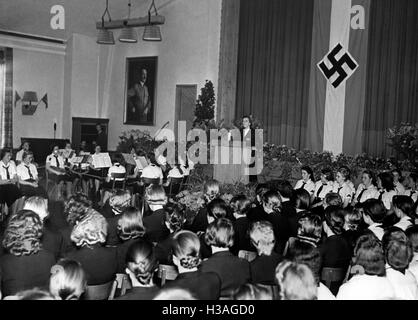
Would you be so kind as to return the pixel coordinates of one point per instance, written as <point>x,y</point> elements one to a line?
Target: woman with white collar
<point>307,181</point>
<point>152,171</point>
<point>9,192</point>
<point>342,187</point>
<point>323,187</point>
<point>366,189</point>
<point>412,192</point>
<point>386,188</point>
<point>403,207</point>
<point>397,177</point>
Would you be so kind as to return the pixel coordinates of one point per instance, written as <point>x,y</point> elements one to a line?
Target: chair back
<point>175,187</point>
<point>117,175</point>
<point>166,272</point>
<point>122,283</point>
<point>332,275</point>
<point>247,255</point>
<point>149,181</point>
<point>104,291</point>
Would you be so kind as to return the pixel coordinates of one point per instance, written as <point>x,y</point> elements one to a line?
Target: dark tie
<point>30,173</point>
<point>58,163</point>
<point>319,190</point>
<point>339,189</point>
<point>303,186</point>
<point>381,195</point>
<point>7,172</point>
<point>360,195</point>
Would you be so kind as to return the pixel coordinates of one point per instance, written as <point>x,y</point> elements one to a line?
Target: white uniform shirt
<point>399,188</point>
<point>23,173</point>
<point>377,230</point>
<point>370,193</point>
<point>19,155</point>
<point>175,173</point>
<point>344,191</point>
<point>324,293</point>
<point>404,223</point>
<point>413,194</point>
<point>116,168</point>
<point>327,188</point>
<point>152,172</point>
<point>387,197</point>
<point>52,161</point>
<point>366,287</point>
<point>309,186</point>
<point>413,265</point>
<point>11,168</point>
<point>405,285</point>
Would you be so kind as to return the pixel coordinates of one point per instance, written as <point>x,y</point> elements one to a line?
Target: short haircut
<point>333,199</point>
<point>27,154</point>
<point>37,204</point>
<point>141,260</point>
<point>241,204</point>
<point>3,152</point>
<point>353,219</point>
<point>387,181</point>
<point>345,171</point>
<point>334,217</point>
<point>130,224</point>
<point>217,208</point>
<point>284,187</point>
<point>186,247</point>
<point>371,176</point>
<point>412,234</point>
<point>262,236</point>
<point>120,200</point>
<point>220,233</point>
<point>368,254</point>
<point>296,281</point>
<point>76,207</point>
<point>68,280</point>
<point>301,199</point>
<point>211,189</point>
<point>273,198</point>
<point>305,253</point>
<point>175,217</point>
<point>23,234</point>
<point>309,171</point>
<point>251,291</point>
<point>375,209</point>
<point>329,175</point>
<point>404,203</point>
<point>397,248</point>
<point>310,225</point>
<point>90,230</point>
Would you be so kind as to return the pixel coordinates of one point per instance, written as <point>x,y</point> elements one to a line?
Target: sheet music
<point>129,158</point>
<point>141,163</point>
<point>101,160</point>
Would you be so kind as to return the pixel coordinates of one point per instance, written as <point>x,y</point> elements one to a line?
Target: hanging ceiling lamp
<point>128,34</point>
<point>105,36</point>
<point>152,32</point>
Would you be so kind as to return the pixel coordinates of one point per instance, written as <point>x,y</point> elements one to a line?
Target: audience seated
<point>309,231</point>
<point>374,212</point>
<point>67,281</point>
<point>241,206</point>
<point>154,223</point>
<point>343,186</point>
<point>9,192</point>
<point>403,206</point>
<point>307,182</point>
<point>412,234</point>
<point>367,188</point>
<point>253,292</point>
<point>257,212</point>
<point>386,189</point>
<point>27,175</point>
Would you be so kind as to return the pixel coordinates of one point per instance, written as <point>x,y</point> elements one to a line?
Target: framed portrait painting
<point>140,91</point>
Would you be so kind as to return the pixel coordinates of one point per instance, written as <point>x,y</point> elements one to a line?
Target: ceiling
<point>33,16</point>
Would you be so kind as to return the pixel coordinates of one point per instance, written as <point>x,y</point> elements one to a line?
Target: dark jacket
<point>53,242</point>
<point>163,250</point>
<point>232,271</point>
<point>121,251</point>
<point>203,286</point>
<point>140,293</point>
<point>99,263</point>
<point>263,269</point>
<point>241,238</point>
<point>335,252</point>
<point>25,272</point>
<point>155,226</point>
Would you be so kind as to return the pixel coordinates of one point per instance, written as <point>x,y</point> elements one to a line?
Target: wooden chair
<point>330,276</point>
<point>104,291</point>
<point>247,255</point>
<point>166,272</point>
<point>175,186</point>
<point>113,178</point>
<point>122,283</point>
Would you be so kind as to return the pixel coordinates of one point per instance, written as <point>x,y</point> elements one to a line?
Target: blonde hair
<point>120,200</point>
<point>155,195</point>
<point>91,229</point>
<point>38,205</point>
<point>186,247</point>
<point>296,281</point>
<point>262,235</point>
<point>174,294</point>
<point>211,190</point>
<point>68,280</point>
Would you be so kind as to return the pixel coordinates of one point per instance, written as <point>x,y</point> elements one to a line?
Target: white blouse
<point>326,188</point>
<point>309,186</point>
<point>366,287</point>
<point>387,197</point>
<point>344,191</point>
<point>404,223</point>
<point>405,285</point>
<point>52,161</point>
<point>370,193</point>
<point>152,172</point>
<point>23,173</point>
<point>10,167</point>
<point>413,194</point>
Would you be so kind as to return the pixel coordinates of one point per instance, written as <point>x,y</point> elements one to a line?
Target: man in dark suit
<point>155,227</point>
<point>248,141</point>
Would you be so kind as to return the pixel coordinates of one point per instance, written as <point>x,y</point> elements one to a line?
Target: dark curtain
<point>274,59</point>
<point>392,75</point>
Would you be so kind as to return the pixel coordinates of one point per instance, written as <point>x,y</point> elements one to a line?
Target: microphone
<point>55,129</point>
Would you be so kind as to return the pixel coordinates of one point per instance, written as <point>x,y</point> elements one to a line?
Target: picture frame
<point>140,91</point>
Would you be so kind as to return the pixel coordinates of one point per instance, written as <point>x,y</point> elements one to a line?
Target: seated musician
<point>9,192</point>
<point>83,148</point>
<point>95,174</point>
<point>25,147</point>
<point>152,171</point>
<point>116,169</point>
<point>177,171</point>
<point>55,165</point>
<point>69,154</point>
<point>28,177</point>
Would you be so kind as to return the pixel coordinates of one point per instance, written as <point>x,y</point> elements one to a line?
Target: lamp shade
<point>105,36</point>
<point>30,96</point>
<point>128,35</point>
<point>152,33</point>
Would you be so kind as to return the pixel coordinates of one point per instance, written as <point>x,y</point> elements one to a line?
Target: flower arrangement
<point>404,140</point>
<point>138,140</point>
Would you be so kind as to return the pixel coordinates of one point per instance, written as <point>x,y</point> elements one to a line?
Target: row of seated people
<point>274,228</point>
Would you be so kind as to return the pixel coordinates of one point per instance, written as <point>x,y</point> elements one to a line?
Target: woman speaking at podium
<point>248,146</point>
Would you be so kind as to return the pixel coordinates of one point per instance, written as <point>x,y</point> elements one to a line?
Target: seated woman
<point>232,271</point>
<point>323,187</point>
<point>257,212</point>
<point>95,175</point>
<point>397,181</point>
<point>263,267</point>
<point>130,228</point>
<point>116,176</point>
<point>371,282</point>
<point>335,249</point>
<point>307,181</point>
<point>153,170</point>
<point>296,281</point>
<point>398,253</point>
<point>241,206</point>
<point>68,280</point>
<point>154,223</point>
<point>403,207</point>
<point>9,192</point>
<point>25,265</point>
<point>301,201</point>
<point>174,221</point>
<point>386,189</point>
<point>412,190</point>
<point>367,189</point>
<point>25,147</point>
<point>343,187</point>
<point>27,175</point>
<point>55,165</point>
<point>89,235</point>
<point>202,285</point>
<point>374,212</point>
<point>353,226</point>
<point>140,267</point>
<point>175,172</point>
